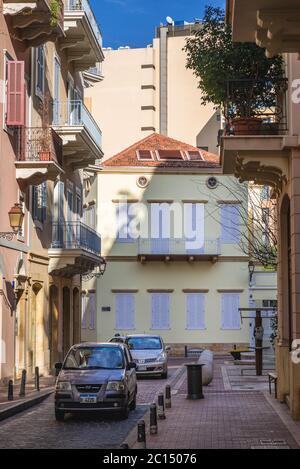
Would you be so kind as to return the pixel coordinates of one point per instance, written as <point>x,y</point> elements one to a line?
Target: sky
<point>132,22</point>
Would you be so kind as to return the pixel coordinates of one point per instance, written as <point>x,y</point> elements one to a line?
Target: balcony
<point>38,155</point>
<point>177,250</point>
<point>83,38</point>
<point>81,136</point>
<point>75,249</point>
<point>272,24</point>
<point>93,75</point>
<point>35,22</point>
<point>255,147</point>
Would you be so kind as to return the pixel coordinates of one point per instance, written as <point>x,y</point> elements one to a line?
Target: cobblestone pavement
<point>37,428</point>
<point>225,418</point>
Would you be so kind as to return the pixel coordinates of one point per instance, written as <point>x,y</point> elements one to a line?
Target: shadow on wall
<point>209,133</point>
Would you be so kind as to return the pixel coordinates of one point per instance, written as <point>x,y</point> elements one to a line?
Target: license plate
<point>88,398</point>
<point>142,368</point>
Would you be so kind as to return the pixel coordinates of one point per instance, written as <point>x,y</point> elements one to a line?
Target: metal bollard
<point>161,406</point>
<point>10,395</point>
<point>141,435</point>
<point>37,378</point>
<point>23,384</point>
<point>153,419</point>
<point>168,397</point>
<point>194,381</point>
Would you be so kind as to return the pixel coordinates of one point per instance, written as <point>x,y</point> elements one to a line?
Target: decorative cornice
<point>195,290</point>
<point>124,290</point>
<point>230,290</point>
<point>160,290</point>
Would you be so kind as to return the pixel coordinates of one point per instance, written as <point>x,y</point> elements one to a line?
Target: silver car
<point>96,377</point>
<point>149,353</point>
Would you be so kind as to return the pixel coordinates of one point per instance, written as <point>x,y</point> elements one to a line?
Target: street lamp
<point>251,268</point>
<point>99,272</point>
<point>16,217</point>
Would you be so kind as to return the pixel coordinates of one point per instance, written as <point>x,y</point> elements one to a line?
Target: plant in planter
<point>55,8</point>
<point>236,77</point>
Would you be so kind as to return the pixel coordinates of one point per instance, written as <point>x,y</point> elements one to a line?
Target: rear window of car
<point>144,343</point>
<point>93,358</point>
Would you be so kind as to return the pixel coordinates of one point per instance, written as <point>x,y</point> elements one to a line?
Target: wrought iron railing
<point>175,246</point>
<point>75,235</point>
<point>38,144</point>
<point>256,107</point>
<point>84,5</point>
<point>75,113</point>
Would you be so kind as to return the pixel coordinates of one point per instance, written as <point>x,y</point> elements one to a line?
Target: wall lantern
<point>16,217</point>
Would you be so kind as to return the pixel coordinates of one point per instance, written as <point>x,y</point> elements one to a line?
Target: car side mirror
<point>132,365</point>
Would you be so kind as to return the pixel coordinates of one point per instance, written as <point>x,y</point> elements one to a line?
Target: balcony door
<point>70,218</point>
<point>78,212</point>
<point>160,228</point>
<point>58,222</point>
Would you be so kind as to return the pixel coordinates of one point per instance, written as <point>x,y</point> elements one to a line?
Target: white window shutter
<point>92,310</point>
<point>230,311</point>
<point>155,313</point>
<point>83,311</point>
<point>165,311</point>
<point>195,311</point>
<point>230,223</point>
<point>125,311</point>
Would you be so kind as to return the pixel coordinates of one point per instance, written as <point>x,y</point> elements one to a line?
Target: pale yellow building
<point>148,90</point>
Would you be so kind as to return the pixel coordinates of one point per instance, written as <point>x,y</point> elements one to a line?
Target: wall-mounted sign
<point>105,309</point>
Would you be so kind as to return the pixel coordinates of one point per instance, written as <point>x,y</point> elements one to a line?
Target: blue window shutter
<point>230,223</point>
<point>34,202</point>
<point>44,202</point>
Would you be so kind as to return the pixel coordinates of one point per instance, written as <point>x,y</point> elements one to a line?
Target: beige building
<point>53,137</point>
<point>272,157</point>
<point>148,90</point>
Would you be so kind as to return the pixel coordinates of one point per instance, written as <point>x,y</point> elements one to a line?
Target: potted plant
<point>236,77</point>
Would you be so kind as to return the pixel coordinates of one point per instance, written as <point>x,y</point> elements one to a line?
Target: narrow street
<point>37,427</point>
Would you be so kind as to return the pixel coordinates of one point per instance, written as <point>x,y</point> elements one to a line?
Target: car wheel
<point>59,415</point>
<point>124,414</point>
<point>133,403</point>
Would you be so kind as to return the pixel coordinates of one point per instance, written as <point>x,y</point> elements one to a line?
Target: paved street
<point>37,428</point>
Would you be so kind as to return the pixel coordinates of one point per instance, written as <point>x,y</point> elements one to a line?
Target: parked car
<point>150,354</point>
<point>96,377</point>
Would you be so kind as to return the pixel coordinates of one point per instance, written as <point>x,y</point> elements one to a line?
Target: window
<point>40,72</point>
<point>265,223</point>
<point>265,193</point>
<point>160,314</point>
<point>203,148</point>
<point>145,155</point>
<point>124,215</point>
<point>230,311</point>
<point>195,155</point>
<point>83,311</point>
<point>39,202</point>
<point>195,309</point>
<point>194,227</point>
<point>89,216</point>
<point>92,308</point>
<point>169,154</point>
<point>125,311</point>
<point>230,223</point>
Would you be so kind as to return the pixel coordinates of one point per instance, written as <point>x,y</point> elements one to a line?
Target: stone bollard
<point>37,378</point>
<point>23,384</point>
<point>206,359</point>
<point>168,397</point>
<point>161,407</point>
<point>153,420</point>
<point>141,441</point>
<point>10,394</point>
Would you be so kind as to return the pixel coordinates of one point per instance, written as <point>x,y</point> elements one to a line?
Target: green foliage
<point>55,7</point>
<point>215,59</point>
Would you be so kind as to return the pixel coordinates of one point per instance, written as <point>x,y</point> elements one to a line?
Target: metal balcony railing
<point>210,247</point>
<point>75,113</point>
<point>75,235</point>
<point>256,107</point>
<point>38,144</point>
<point>84,5</point>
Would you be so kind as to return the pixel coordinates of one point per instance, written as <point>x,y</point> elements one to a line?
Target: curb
<point>131,438</point>
<point>15,409</point>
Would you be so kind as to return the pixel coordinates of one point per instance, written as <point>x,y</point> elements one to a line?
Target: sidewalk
<point>237,412</point>
<point>32,397</point>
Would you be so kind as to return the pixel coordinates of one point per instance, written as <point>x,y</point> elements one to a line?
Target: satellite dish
<point>169,20</point>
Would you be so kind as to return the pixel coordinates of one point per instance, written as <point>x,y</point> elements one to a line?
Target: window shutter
<point>125,311</point>
<point>195,311</point>
<point>155,314</point>
<point>92,310</point>
<point>15,112</point>
<point>160,228</point>
<point>83,311</point>
<point>194,227</point>
<point>35,202</point>
<point>230,223</point>
<point>230,311</point>
<point>160,311</point>
<point>44,202</point>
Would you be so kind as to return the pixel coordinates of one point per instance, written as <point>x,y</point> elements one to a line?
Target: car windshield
<point>93,358</point>
<point>144,343</point>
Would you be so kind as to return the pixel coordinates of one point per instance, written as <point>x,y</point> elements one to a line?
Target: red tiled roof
<point>156,142</point>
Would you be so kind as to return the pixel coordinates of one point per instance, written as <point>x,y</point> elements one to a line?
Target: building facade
<point>48,137</point>
<point>154,93</point>
<point>273,158</point>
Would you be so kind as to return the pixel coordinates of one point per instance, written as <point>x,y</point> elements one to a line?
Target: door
<point>56,92</point>
<point>58,220</point>
<point>160,229</point>
<point>78,210</point>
